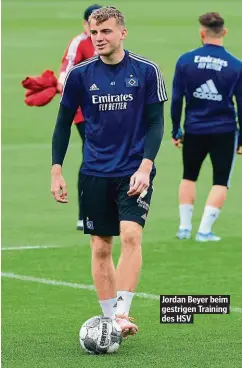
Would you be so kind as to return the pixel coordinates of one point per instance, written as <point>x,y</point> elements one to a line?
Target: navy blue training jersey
<point>113,100</point>
<point>208,77</point>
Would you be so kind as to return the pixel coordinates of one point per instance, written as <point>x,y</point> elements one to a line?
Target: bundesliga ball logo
<point>100,335</point>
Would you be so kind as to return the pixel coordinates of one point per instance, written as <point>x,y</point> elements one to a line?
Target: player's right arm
<point>178,91</point>
<point>60,140</point>
<point>238,97</point>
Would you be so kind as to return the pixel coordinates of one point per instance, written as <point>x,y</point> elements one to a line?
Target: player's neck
<point>115,58</point>
<point>213,41</point>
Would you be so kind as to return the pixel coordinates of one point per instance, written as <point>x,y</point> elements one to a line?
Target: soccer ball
<point>100,335</point>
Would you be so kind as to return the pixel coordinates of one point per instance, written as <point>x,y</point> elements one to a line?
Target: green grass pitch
<point>40,322</point>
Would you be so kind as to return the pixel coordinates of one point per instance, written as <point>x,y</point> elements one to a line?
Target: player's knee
<point>187,183</point>
<point>131,235</point>
<point>101,247</point>
<point>220,190</point>
<point>101,252</point>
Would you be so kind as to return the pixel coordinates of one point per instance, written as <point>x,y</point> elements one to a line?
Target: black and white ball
<point>100,335</point>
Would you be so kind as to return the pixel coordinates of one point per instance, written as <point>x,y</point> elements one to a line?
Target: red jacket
<point>40,89</point>
<point>80,48</point>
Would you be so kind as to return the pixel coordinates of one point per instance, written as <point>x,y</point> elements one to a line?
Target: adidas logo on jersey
<point>93,88</point>
<point>208,91</point>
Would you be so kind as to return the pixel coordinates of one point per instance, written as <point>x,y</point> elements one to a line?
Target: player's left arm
<point>178,91</point>
<point>154,116</point>
<point>238,97</point>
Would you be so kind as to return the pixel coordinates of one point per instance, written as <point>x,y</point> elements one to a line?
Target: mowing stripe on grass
<point>24,247</point>
<point>11,275</point>
<point>28,146</point>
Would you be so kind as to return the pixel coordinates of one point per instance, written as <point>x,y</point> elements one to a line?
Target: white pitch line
<point>47,281</point>
<point>236,310</point>
<point>24,247</point>
<point>31,146</point>
<point>82,286</point>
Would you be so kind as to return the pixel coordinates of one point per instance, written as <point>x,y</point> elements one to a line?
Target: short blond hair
<point>103,14</point>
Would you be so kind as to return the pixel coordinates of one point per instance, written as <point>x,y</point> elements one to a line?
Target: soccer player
<point>121,95</point>
<point>209,78</point>
<point>79,49</point>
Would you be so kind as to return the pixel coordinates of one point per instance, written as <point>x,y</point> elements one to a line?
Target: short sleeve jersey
<point>113,99</point>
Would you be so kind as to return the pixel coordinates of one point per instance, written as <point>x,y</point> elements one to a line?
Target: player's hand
<point>177,142</point>
<point>139,182</point>
<point>239,150</point>
<point>59,188</point>
<point>59,87</point>
<point>177,138</point>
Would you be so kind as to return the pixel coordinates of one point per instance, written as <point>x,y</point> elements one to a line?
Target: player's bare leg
<point>128,271</point>
<point>103,273</point>
<point>187,195</point>
<point>217,196</point>
<point>187,192</point>
<point>215,201</point>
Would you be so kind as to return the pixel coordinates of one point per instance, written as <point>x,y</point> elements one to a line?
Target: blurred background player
<point>79,49</point>
<point>209,78</point>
